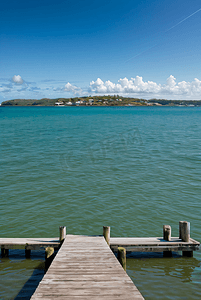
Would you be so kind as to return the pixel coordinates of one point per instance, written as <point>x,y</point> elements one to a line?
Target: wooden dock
<point>29,243</point>
<point>86,268</point>
<point>154,244</point>
<point>149,244</point>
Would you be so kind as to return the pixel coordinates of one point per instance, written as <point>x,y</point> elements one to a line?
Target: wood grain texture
<point>29,243</point>
<point>86,268</point>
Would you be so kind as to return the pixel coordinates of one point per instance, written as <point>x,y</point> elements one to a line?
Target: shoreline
<point>101,101</point>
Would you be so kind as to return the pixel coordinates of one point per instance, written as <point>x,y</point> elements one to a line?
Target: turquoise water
<point>133,169</point>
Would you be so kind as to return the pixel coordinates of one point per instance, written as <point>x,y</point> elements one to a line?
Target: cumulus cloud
<point>70,88</point>
<point>133,87</point>
<point>17,79</point>
<point>138,86</point>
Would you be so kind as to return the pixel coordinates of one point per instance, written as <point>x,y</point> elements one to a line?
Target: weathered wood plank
<point>85,283</point>
<point>153,244</point>
<point>83,278</point>
<point>29,243</point>
<point>90,292</point>
<point>149,241</point>
<point>93,297</point>
<point>101,291</point>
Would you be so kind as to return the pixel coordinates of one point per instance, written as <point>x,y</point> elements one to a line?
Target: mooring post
<point>167,232</point>
<point>4,252</point>
<point>184,231</point>
<point>121,256</point>
<point>106,233</point>
<point>62,231</point>
<point>184,234</point>
<point>49,254</point>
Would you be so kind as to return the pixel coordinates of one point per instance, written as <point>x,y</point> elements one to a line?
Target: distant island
<point>114,100</point>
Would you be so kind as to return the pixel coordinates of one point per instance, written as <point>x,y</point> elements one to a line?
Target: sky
<point>145,49</point>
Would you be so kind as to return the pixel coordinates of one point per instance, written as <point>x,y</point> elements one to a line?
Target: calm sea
<point>131,168</point>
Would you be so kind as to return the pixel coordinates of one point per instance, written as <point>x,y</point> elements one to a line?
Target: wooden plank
<point>149,241</point>
<point>29,240</point>
<point>86,283</point>
<point>89,292</point>
<point>157,248</point>
<point>86,268</point>
<point>94,297</point>
<point>29,243</point>
<point>83,278</point>
<point>153,244</point>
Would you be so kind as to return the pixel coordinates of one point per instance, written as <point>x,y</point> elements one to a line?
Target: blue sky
<point>146,49</point>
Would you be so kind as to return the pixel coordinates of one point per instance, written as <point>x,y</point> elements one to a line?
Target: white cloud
<point>17,79</point>
<point>70,88</point>
<point>133,87</point>
<point>138,86</point>
<point>171,81</point>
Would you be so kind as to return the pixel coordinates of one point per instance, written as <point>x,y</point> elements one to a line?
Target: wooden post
<point>184,234</point>
<point>27,252</point>
<point>167,237</point>
<point>167,232</point>
<point>62,231</point>
<point>49,254</point>
<point>106,233</point>
<point>121,255</point>
<point>4,252</point>
<point>184,231</point>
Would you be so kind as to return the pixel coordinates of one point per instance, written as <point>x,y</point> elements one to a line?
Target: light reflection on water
<point>134,169</point>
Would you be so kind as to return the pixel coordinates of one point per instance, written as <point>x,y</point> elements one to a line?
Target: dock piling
<point>4,252</point>
<point>106,234</point>
<point>167,232</point>
<point>27,252</point>
<point>62,231</point>
<point>184,234</point>
<point>167,237</point>
<point>121,256</point>
<point>49,254</point>
<point>184,231</point>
